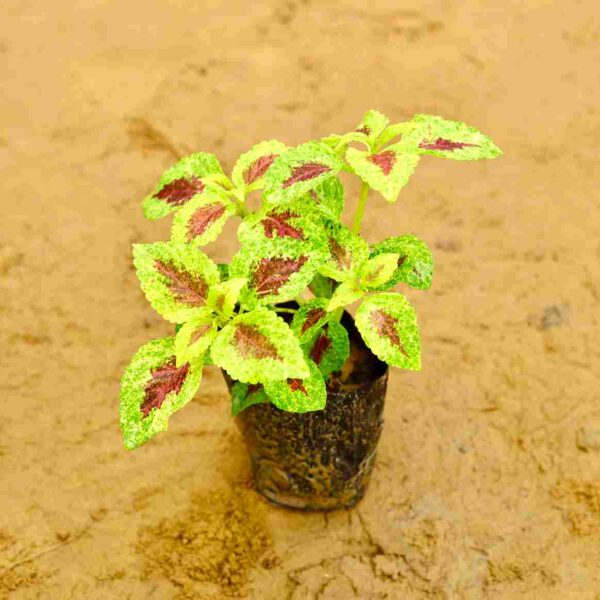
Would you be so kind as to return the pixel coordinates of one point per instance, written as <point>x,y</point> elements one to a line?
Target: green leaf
<point>175,278</point>
<point>202,219</point>
<point>244,395</point>
<point>189,177</point>
<point>386,172</point>
<point>152,389</point>
<point>347,252</point>
<point>322,286</point>
<point>195,337</point>
<point>223,297</point>
<point>328,347</point>
<point>433,135</point>
<point>277,271</point>
<point>415,262</point>
<point>250,169</point>
<point>388,325</point>
<point>392,131</point>
<point>346,293</point>
<point>299,170</point>
<point>379,270</point>
<point>258,346</point>
<point>299,395</point>
<point>373,124</point>
<point>309,318</point>
<point>328,197</point>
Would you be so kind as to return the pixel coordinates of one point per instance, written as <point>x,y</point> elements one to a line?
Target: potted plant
<point>307,381</point>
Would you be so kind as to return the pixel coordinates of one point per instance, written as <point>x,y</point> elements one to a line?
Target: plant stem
<point>286,310</point>
<point>360,209</point>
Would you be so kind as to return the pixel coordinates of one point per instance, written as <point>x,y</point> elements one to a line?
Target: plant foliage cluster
<point>295,247</point>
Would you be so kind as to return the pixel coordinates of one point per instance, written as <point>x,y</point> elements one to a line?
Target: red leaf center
<point>202,218</point>
<point>251,343</point>
<point>319,348</point>
<point>304,172</point>
<point>384,160</point>
<point>443,144</point>
<point>312,317</point>
<point>179,191</point>
<point>258,168</point>
<point>385,326</point>
<point>272,273</point>
<point>278,224</point>
<point>165,379</point>
<point>184,287</point>
<point>296,385</point>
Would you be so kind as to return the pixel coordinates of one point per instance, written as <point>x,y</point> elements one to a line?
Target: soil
<point>487,482</point>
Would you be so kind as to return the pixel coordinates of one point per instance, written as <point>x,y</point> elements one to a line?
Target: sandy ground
<point>487,484</point>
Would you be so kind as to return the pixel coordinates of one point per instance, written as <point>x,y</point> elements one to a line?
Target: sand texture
<point>487,485</point>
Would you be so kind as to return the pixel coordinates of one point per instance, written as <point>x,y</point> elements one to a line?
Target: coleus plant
<point>294,247</point>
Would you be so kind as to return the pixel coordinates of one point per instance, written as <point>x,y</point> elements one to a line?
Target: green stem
<point>360,209</point>
<point>286,310</point>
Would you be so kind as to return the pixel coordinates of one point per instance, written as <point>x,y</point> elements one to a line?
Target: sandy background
<point>487,484</point>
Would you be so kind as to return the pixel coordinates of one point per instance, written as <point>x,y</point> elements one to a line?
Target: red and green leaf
<point>250,169</point>
<point>299,395</point>
<point>195,336</point>
<point>202,219</point>
<point>328,347</point>
<point>153,387</point>
<point>244,395</point>
<point>276,272</point>
<point>414,265</point>
<point>388,325</point>
<point>258,346</point>
<point>190,177</point>
<point>347,253</point>
<point>300,170</point>
<point>175,278</point>
<point>433,135</point>
<point>297,223</point>
<point>387,171</point>
<point>310,317</point>
<point>373,124</point>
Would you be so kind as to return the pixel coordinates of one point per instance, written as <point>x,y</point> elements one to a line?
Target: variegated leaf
<point>152,389</point>
<point>258,346</point>
<point>175,278</point>
<point>299,395</point>
<point>202,219</point>
<point>388,325</point>
<point>299,170</point>
<point>276,272</point>
<point>328,347</point>
<point>387,171</point>
<point>310,317</point>
<point>328,198</point>
<point>195,336</point>
<point>377,271</point>
<point>189,177</point>
<point>434,135</point>
<point>373,124</point>
<point>415,262</point>
<point>250,169</point>
<point>297,223</point>
<point>347,252</point>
